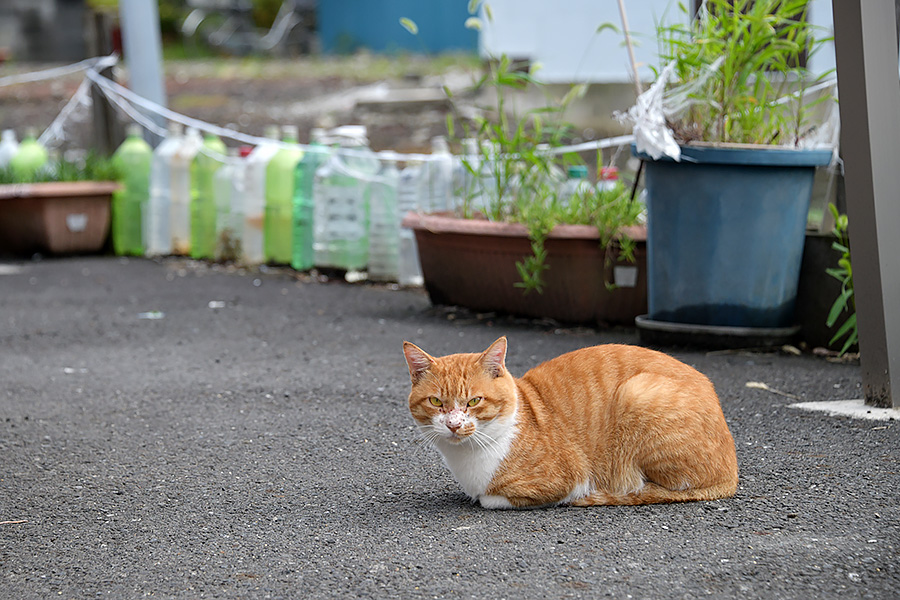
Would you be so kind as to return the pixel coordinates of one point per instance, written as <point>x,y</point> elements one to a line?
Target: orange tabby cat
<point>603,425</point>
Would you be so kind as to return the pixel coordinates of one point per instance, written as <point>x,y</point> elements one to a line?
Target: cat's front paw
<point>494,502</point>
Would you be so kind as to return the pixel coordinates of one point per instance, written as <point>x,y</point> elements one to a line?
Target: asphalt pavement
<point>181,430</point>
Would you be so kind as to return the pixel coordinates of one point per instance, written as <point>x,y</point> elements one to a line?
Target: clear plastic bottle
<point>203,202</point>
<point>157,214</point>
<point>180,225</point>
<point>440,176</point>
<point>236,211</point>
<point>471,192</point>
<point>223,195</point>
<point>492,172</point>
<point>302,256</point>
<point>341,210</point>
<point>384,223</point>
<point>255,201</point>
<point>608,178</point>
<point>577,184</point>
<point>132,159</point>
<point>30,157</point>
<point>9,146</point>
<point>410,191</point>
<point>280,175</point>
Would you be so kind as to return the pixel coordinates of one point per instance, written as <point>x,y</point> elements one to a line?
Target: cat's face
<point>461,397</point>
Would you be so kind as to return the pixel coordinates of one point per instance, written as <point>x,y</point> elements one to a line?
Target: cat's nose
<point>454,421</point>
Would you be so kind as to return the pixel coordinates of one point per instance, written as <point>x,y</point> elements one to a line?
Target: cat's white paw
<point>494,502</point>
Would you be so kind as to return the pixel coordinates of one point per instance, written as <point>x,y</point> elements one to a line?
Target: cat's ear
<point>417,359</point>
<point>494,358</point>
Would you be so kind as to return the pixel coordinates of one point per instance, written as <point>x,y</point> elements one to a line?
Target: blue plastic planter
<point>725,234</point>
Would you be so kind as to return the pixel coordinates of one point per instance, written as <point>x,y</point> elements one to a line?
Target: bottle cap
<point>577,172</point>
<point>271,131</point>
<point>609,174</point>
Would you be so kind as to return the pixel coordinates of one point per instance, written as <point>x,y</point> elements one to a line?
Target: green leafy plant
<point>514,170</point>
<point>92,167</point>
<point>737,71</point>
<point>845,302</point>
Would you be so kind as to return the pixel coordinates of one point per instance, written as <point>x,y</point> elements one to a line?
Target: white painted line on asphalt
<point>10,269</point>
<point>857,409</point>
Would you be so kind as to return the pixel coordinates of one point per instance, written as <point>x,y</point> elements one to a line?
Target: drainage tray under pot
<point>665,333</point>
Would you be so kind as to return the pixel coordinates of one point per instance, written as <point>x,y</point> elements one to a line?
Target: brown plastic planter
<point>55,217</point>
<point>472,263</point>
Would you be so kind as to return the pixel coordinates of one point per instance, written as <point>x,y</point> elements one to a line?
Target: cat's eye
<point>435,401</point>
<point>475,401</point>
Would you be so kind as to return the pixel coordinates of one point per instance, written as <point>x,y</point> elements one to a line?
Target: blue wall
<point>349,25</point>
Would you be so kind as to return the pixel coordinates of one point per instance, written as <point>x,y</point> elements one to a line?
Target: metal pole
<point>142,47</point>
<point>866,52</point>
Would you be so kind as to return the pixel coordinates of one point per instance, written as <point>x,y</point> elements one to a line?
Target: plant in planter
<point>728,184</point>
<point>517,242</point>
<point>845,302</point>
<point>61,208</point>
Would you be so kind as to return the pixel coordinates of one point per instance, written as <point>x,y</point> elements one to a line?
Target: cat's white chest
<point>473,465</point>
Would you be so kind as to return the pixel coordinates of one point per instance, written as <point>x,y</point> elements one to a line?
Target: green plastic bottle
<point>29,159</point>
<point>280,199</point>
<point>203,199</point>
<point>132,159</point>
<point>303,257</point>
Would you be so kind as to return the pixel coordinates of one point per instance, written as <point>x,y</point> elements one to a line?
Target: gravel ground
<point>254,443</point>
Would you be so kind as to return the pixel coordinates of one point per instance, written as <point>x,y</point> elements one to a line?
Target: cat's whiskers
<point>487,443</point>
<point>429,436</point>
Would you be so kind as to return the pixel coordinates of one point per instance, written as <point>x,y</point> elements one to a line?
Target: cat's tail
<point>653,493</point>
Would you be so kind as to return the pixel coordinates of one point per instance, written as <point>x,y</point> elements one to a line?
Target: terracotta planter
<point>472,263</point>
<point>55,217</point>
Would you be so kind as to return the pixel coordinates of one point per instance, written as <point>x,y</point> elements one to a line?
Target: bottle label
<point>344,212</point>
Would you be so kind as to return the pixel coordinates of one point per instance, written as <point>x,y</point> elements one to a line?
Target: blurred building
<point>42,30</point>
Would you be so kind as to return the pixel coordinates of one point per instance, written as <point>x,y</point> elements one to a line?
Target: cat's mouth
<point>458,437</point>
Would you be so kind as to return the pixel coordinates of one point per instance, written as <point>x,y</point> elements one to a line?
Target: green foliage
<point>171,12</point>
<point>514,174</point>
<point>754,96</point>
<point>265,11</point>
<point>92,168</point>
<point>845,302</point>
<point>524,174</point>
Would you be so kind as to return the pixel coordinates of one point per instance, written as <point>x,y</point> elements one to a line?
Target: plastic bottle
<point>280,175</point>
<point>491,172</point>
<point>302,256</point>
<point>29,159</point>
<point>440,175</point>
<point>236,211</point>
<point>252,250</point>
<point>157,217</point>
<point>608,178</point>
<point>410,191</point>
<point>577,184</point>
<point>9,146</point>
<point>132,159</point>
<point>341,203</point>
<point>182,160</point>
<point>471,192</point>
<point>384,223</point>
<point>203,202</point>
<point>223,195</point>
